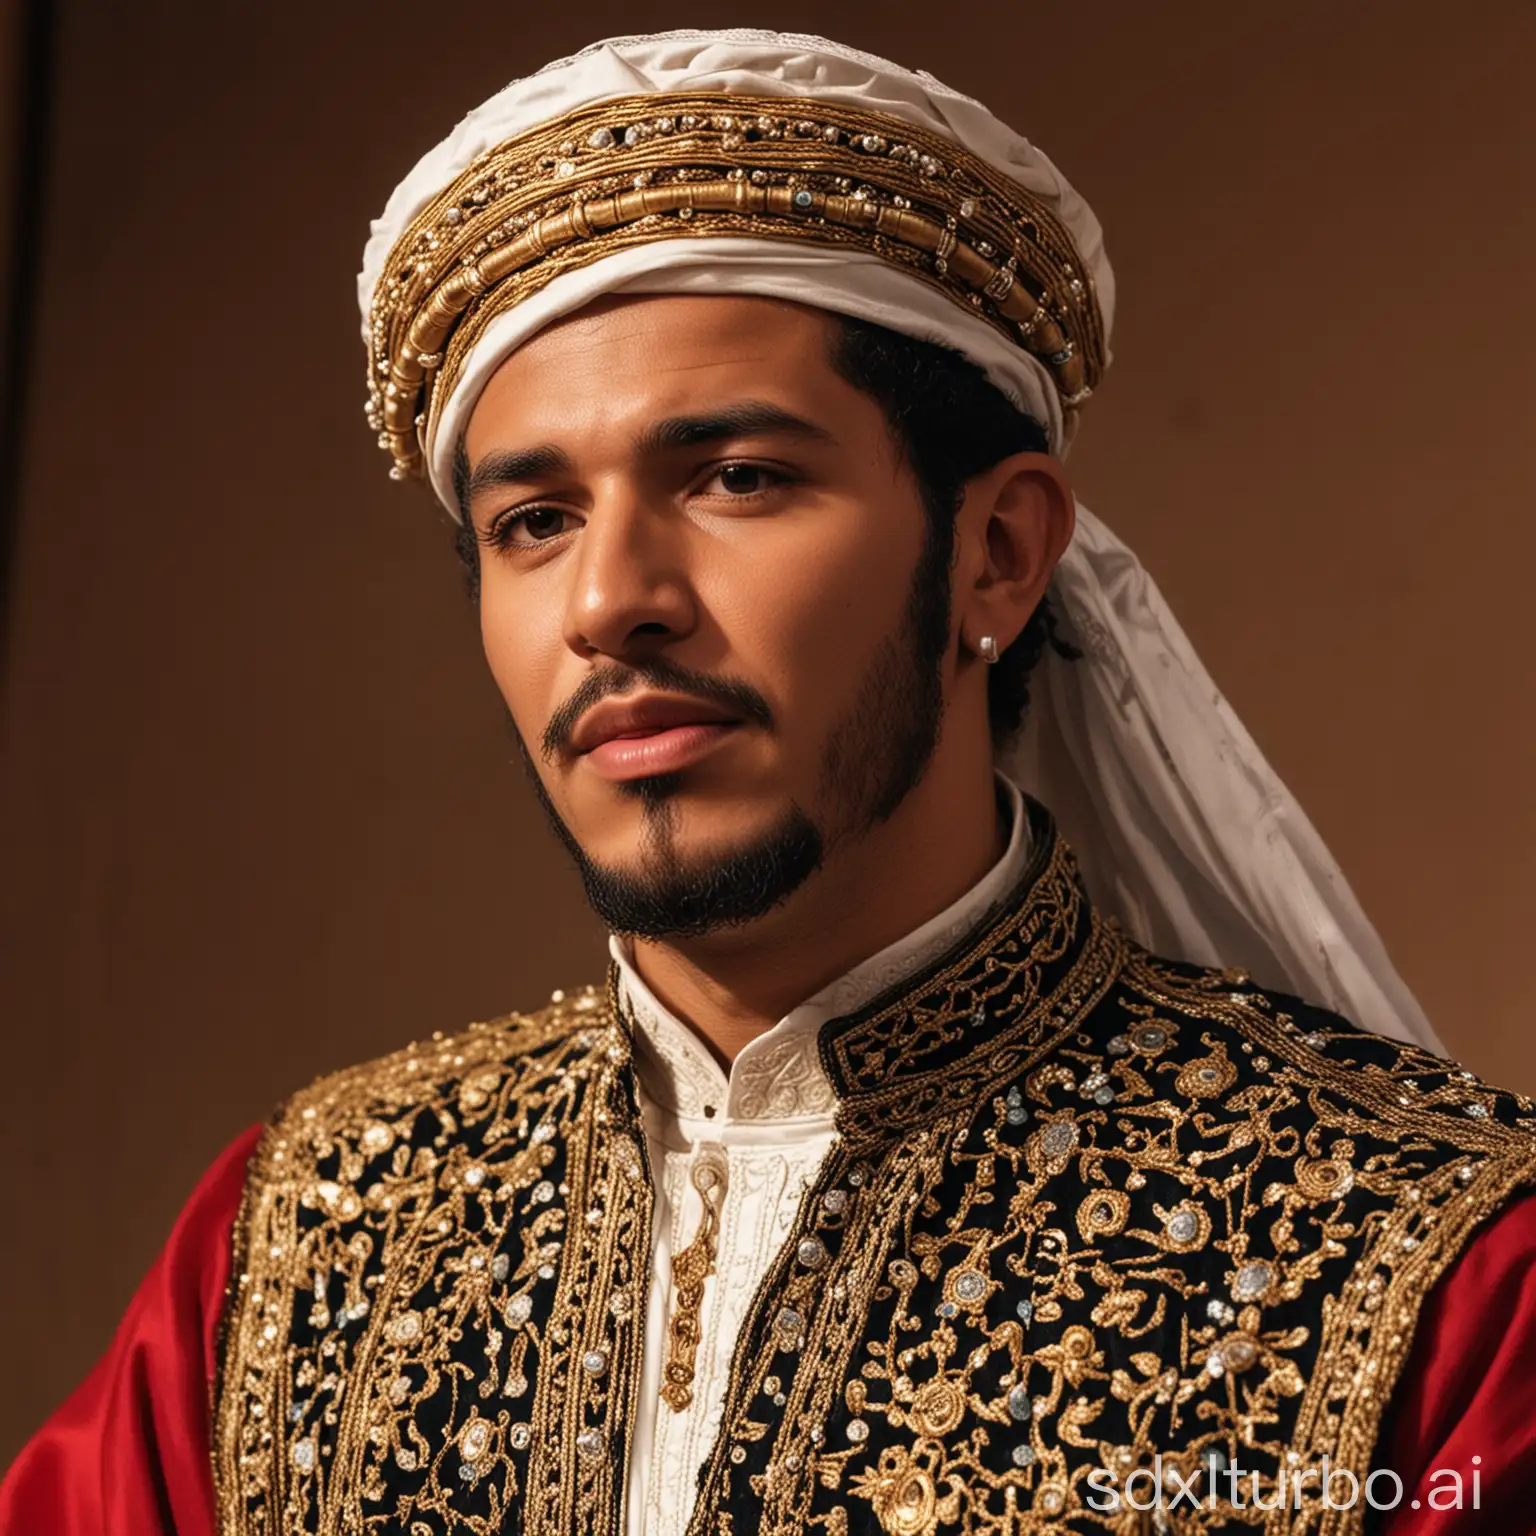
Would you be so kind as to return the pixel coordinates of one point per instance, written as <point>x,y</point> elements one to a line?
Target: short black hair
<point>950,423</point>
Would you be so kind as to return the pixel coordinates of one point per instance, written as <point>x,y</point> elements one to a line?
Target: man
<point>891,1184</point>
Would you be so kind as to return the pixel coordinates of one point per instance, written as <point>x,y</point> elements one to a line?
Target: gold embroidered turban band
<point>632,170</point>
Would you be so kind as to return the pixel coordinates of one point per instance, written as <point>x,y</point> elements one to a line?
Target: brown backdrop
<point>258,806</point>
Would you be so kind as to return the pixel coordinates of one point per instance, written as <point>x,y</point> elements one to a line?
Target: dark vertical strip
<point>32,123</point>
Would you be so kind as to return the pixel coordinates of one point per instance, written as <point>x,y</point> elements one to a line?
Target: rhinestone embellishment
<point>789,1328</point>
<point>1183,1226</point>
<point>811,1252</point>
<point>1253,1279</point>
<point>970,1285</point>
<point>1060,1137</point>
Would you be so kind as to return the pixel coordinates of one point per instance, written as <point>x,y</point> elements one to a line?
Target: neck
<point>871,892</point>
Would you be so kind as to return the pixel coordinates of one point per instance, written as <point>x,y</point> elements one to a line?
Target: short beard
<point>874,758</point>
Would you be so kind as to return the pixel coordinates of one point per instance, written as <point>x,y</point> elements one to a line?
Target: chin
<point>679,869</point>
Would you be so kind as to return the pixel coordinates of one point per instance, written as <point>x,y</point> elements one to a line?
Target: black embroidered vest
<point>1087,1209</point>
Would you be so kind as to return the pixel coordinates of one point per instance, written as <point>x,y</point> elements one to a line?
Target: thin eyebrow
<point>745,419</point>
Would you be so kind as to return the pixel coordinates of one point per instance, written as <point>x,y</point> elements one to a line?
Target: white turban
<point>1183,830</point>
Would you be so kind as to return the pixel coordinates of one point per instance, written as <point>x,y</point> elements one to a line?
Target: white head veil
<point>1182,829</point>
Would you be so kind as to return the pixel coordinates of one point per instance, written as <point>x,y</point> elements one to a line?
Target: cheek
<point>522,648</point>
<point>807,614</point>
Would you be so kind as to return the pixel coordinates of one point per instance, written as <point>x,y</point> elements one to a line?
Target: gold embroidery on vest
<point>441,1268</point>
<point>1146,1214</point>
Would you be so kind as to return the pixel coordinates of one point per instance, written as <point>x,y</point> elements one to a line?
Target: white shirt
<point>768,1125</point>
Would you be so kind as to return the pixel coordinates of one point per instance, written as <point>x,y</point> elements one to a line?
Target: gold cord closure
<point>690,1269</point>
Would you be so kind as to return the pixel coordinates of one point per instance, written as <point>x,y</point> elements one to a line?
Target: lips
<point>658,733</point>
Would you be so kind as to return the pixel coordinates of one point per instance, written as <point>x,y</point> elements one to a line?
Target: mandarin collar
<point>780,1077</point>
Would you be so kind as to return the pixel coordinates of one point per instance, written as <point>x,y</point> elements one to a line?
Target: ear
<point>1012,529</point>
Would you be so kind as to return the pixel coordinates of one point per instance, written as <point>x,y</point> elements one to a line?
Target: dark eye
<point>533,525</point>
<point>542,522</point>
<point>743,479</point>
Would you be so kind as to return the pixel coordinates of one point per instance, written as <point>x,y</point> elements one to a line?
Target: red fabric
<point>1469,1391</point>
<point>128,1453</point>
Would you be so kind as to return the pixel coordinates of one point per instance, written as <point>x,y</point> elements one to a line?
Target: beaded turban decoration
<point>789,159</point>
<point>790,167</point>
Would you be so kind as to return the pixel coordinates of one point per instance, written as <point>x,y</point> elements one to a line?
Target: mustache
<point>730,693</point>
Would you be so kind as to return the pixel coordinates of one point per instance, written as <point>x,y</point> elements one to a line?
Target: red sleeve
<point>1466,1403</point>
<point>128,1453</point>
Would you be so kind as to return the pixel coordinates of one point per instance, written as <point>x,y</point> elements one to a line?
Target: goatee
<point>873,759</point>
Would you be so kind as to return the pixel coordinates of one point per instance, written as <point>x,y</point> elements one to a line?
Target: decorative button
<point>589,1445</point>
<point>1023,1455</point>
<point>858,1431</point>
<point>970,1284</point>
<point>594,1362</point>
<point>789,1327</point>
<point>811,1252</point>
<point>406,1328</point>
<point>1239,1353</point>
<point>1183,1226</point>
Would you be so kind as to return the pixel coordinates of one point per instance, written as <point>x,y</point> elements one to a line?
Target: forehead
<point>631,359</point>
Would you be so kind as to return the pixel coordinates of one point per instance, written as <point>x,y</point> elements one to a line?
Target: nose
<point>630,594</point>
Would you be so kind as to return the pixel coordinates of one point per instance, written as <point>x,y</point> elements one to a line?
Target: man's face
<point>698,545</point>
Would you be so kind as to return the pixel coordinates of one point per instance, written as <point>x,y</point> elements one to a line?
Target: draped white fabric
<point>1183,828</point>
